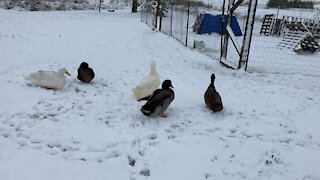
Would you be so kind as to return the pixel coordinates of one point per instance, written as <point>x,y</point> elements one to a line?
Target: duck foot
<point>45,87</point>
<point>163,115</point>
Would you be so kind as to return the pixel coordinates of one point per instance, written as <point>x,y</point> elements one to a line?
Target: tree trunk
<point>134,5</point>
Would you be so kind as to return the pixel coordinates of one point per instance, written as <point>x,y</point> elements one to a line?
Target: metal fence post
<point>141,14</point>
<point>100,2</point>
<point>187,23</point>
<point>171,18</point>
<point>161,14</point>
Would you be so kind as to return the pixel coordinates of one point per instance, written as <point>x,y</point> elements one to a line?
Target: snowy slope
<point>268,129</point>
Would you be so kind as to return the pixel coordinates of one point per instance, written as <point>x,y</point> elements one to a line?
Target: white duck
<point>49,79</point>
<point>148,84</point>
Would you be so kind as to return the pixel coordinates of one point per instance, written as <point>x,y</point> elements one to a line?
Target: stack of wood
<point>266,26</point>
<point>310,44</point>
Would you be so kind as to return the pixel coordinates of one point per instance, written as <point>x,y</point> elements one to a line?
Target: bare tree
<point>134,6</point>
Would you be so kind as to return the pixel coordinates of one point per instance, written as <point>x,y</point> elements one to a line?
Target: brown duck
<point>212,97</point>
<point>85,74</point>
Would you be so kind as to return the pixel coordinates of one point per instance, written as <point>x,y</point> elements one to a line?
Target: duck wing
<point>146,86</point>
<point>85,75</point>
<point>79,74</point>
<point>159,98</point>
<point>42,75</point>
<point>149,82</point>
<point>91,72</point>
<point>213,99</point>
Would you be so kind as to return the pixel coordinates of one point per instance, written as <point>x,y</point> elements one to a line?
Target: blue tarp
<point>211,23</point>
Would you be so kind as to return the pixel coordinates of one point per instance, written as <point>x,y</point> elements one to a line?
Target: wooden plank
<point>235,5</point>
<point>233,39</point>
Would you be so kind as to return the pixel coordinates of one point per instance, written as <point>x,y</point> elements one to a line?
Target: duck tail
<point>145,98</point>
<point>146,110</point>
<point>135,93</point>
<point>27,77</point>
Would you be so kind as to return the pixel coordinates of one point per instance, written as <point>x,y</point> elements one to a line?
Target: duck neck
<point>153,70</point>
<point>60,73</point>
<point>212,84</point>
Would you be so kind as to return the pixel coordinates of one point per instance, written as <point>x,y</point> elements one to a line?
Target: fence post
<point>100,2</point>
<point>142,9</point>
<point>161,14</point>
<point>224,40</point>
<point>146,16</point>
<point>245,50</point>
<point>171,18</point>
<point>187,24</point>
<point>156,7</point>
<point>222,30</point>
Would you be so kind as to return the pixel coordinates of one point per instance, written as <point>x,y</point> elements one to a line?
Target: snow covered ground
<point>268,129</point>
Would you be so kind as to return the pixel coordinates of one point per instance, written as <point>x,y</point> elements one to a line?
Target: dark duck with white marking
<point>212,98</point>
<point>159,101</point>
<point>85,74</point>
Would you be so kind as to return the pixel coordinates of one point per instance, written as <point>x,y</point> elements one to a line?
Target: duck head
<point>167,84</point>
<point>213,77</point>
<point>84,65</point>
<point>64,71</point>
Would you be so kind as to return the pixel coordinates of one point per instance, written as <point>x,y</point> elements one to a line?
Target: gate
<point>235,50</point>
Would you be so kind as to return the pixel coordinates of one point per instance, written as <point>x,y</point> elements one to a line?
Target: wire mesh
<point>265,53</point>
<point>279,49</point>
<point>147,13</point>
<point>174,22</point>
<point>178,21</point>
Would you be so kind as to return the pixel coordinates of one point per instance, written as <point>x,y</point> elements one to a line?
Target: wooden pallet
<point>292,38</point>
<point>310,44</point>
<point>197,24</point>
<point>267,23</point>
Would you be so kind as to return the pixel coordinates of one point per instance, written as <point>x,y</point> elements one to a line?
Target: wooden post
<point>222,50</point>
<point>245,50</point>
<point>226,35</point>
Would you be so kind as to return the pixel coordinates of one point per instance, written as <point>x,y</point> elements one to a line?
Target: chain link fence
<point>147,13</point>
<point>178,20</point>
<point>283,41</point>
<point>175,23</point>
<point>288,42</point>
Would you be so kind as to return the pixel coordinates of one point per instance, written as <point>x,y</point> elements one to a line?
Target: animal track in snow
<point>232,130</point>
<point>145,172</point>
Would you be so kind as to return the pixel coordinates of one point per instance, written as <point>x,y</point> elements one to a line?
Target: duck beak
<point>67,73</point>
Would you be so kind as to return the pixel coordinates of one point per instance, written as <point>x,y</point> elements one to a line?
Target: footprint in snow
<point>152,136</point>
<point>131,161</point>
<point>232,130</point>
<point>145,172</point>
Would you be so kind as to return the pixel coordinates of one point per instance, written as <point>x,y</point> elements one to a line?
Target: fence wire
<point>178,22</point>
<point>266,52</point>
<point>147,13</point>
<point>279,50</point>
